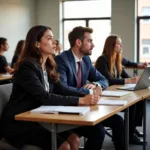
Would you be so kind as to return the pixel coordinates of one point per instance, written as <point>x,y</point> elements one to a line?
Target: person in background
<point>37,83</point>
<point>75,68</point>
<point>58,47</point>
<point>110,64</point>
<point>4,67</point>
<point>17,52</point>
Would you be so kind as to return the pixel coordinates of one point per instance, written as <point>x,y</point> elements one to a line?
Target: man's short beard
<point>82,52</point>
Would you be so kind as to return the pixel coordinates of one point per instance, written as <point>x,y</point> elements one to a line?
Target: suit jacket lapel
<point>72,63</point>
<point>42,77</point>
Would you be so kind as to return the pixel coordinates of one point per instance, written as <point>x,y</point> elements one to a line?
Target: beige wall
<point>49,14</point>
<point>16,17</point>
<point>123,24</point>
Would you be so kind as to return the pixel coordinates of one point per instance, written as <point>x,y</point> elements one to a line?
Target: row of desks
<point>61,122</point>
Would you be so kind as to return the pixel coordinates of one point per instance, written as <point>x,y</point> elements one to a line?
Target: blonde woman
<point>110,64</point>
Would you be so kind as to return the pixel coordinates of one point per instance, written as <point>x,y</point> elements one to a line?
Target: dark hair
<point>57,42</point>
<point>78,33</point>
<point>31,51</point>
<point>19,47</point>
<point>2,41</point>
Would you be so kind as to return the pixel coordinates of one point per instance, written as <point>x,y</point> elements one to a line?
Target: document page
<point>112,102</point>
<point>74,110</point>
<point>115,93</point>
<point>62,109</point>
<point>125,86</point>
<point>46,109</point>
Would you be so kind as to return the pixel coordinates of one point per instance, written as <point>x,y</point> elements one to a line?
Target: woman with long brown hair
<point>110,64</point>
<point>36,83</point>
<point>17,52</point>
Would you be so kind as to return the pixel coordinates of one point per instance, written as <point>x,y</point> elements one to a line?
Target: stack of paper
<point>112,102</point>
<point>62,110</point>
<point>115,93</point>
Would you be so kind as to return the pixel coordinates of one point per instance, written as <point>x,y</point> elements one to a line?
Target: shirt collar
<point>76,58</point>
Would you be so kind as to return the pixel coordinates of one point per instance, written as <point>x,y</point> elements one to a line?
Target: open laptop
<point>143,82</point>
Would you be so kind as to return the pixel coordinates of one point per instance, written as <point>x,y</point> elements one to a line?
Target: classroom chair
<point>5,91</point>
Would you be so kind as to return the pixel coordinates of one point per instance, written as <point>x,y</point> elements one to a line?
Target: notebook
<point>143,82</point>
<point>61,110</point>
<point>112,102</point>
<point>115,93</point>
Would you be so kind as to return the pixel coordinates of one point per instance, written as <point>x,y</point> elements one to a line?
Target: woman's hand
<point>89,100</point>
<point>131,80</point>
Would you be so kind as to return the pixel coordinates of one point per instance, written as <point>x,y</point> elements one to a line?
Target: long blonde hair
<point>114,60</point>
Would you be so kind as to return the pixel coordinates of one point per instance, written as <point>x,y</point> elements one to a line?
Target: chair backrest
<point>5,91</point>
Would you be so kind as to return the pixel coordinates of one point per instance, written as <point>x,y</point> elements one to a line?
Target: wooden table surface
<point>5,77</point>
<point>97,114</point>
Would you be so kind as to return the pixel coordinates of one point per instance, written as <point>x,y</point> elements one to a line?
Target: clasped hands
<point>91,99</point>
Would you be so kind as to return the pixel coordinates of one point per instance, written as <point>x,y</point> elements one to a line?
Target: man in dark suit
<point>67,63</point>
<point>75,68</point>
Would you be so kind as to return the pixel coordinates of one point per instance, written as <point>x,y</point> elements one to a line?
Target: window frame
<point>139,19</point>
<point>86,19</point>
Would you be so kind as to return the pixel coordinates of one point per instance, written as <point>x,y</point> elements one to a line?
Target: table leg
<point>144,126</point>
<point>127,129</point>
<point>135,72</point>
<point>54,137</point>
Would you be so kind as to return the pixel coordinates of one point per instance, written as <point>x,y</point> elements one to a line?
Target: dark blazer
<point>28,93</point>
<point>103,67</point>
<point>128,63</point>
<point>68,74</point>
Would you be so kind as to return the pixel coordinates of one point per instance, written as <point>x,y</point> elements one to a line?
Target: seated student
<point>18,50</point>
<point>110,65</point>
<point>4,67</point>
<point>36,83</point>
<point>58,47</point>
<point>75,69</point>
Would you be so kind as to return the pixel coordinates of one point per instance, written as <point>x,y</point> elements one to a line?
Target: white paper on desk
<point>115,93</point>
<point>62,109</point>
<point>112,102</point>
<point>127,86</point>
<point>5,75</point>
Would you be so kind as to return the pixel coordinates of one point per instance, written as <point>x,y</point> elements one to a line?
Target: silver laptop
<point>143,82</point>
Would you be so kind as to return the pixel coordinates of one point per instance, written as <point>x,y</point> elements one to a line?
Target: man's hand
<point>89,86</point>
<point>97,90</point>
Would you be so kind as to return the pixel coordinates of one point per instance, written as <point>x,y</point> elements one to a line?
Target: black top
<point>128,63</point>
<point>14,60</point>
<point>28,93</point>
<point>3,64</point>
<point>103,67</point>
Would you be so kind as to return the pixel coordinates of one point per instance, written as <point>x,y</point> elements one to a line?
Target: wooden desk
<point>145,93</point>
<point>61,122</point>
<point>5,77</point>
